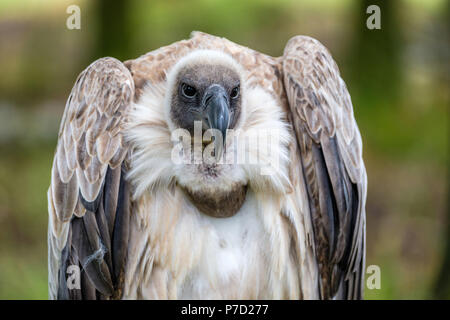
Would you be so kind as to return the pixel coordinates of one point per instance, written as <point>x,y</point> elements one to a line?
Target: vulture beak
<point>216,114</point>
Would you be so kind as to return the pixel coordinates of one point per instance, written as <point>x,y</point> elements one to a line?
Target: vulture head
<point>205,89</point>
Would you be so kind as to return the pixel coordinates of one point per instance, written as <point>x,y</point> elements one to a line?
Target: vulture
<point>207,170</point>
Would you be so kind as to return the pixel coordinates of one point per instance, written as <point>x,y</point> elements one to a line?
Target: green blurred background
<point>398,78</point>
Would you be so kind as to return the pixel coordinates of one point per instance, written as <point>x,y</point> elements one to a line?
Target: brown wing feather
<point>331,154</point>
<point>88,197</point>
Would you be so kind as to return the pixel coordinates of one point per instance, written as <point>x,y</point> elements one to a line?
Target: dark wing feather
<point>331,155</point>
<point>89,198</point>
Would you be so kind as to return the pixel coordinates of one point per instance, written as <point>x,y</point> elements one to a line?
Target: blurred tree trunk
<point>113,37</point>
<point>442,285</point>
<point>375,55</point>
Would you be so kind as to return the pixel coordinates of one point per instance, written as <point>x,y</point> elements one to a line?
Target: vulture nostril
<point>207,99</point>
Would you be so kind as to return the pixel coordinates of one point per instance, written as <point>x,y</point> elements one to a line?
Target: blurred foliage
<point>398,78</point>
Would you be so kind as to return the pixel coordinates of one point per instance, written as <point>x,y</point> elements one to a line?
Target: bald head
<point>205,86</point>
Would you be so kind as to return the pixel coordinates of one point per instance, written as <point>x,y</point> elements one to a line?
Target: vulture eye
<point>234,93</point>
<point>188,91</point>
